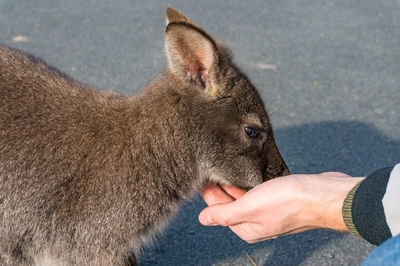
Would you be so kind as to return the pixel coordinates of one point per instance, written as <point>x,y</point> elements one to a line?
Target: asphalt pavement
<point>328,72</point>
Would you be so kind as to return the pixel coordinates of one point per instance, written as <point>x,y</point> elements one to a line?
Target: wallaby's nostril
<point>276,172</point>
<point>283,171</point>
<point>286,172</point>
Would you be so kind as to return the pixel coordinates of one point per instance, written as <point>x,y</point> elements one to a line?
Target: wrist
<point>328,195</point>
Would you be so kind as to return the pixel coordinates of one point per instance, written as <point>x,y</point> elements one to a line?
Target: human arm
<point>281,206</point>
<point>298,203</point>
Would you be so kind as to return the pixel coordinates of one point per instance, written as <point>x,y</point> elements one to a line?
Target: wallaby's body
<point>87,176</point>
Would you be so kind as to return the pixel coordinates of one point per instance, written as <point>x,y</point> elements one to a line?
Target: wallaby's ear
<point>174,15</point>
<point>191,53</point>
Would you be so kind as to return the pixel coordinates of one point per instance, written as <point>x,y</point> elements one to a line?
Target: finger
<point>337,174</point>
<point>248,233</point>
<point>226,214</point>
<point>294,231</point>
<point>214,194</point>
<point>233,191</point>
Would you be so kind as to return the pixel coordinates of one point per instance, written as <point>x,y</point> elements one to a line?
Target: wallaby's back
<point>54,132</point>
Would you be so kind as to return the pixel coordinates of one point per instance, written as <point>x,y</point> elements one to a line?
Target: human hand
<point>280,206</point>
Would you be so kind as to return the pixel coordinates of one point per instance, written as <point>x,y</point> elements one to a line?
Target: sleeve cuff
<point>346,211</point>
<point>363,211</point>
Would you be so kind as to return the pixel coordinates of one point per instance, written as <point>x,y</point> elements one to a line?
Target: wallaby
<point>88,176</point>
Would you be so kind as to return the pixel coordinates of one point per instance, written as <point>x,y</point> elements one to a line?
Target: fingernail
<point>205,219</point>
<point>208,219</point>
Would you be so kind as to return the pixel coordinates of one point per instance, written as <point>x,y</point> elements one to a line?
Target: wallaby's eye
<point>252,132</point>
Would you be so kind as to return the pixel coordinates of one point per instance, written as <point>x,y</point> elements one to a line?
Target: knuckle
<point>224,220</point>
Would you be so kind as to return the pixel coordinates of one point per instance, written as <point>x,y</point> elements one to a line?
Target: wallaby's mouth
<point>212,177</point>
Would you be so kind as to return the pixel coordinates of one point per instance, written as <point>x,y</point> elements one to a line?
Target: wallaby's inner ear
<point>192,55</point>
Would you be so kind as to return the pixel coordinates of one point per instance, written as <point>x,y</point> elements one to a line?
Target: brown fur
<point>87,176</point>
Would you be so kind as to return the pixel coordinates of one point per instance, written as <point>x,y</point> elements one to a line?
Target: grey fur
<point>87,176</point>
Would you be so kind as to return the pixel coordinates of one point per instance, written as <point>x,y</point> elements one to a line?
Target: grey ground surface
<point>328,72</point>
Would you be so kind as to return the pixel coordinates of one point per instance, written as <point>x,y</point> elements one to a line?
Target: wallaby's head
<point>233,135</point>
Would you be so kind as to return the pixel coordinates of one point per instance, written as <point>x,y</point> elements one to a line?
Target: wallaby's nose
<point>285,171</point>
<point>281,171</point>
<point>284,168</point>
<point>276,165</point>
<point>278,170</point>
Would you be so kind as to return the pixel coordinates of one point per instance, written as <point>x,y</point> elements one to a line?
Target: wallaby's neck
<point>162,145</point>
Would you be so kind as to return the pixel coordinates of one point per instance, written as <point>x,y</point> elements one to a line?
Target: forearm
<point>297,203</point>
<point>281,206</point>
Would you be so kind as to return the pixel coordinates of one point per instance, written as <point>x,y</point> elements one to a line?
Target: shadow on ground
<point>348,146</point>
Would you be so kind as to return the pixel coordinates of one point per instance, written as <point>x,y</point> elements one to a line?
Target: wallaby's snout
<point>276,165</point>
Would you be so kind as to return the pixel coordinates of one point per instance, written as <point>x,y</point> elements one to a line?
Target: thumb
<point>225,214</point>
